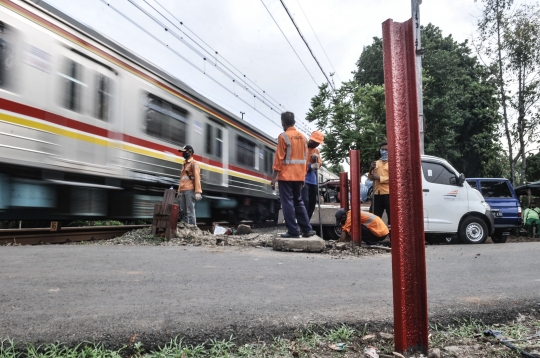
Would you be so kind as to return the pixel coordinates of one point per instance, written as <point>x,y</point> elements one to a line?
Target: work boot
<point>289,236</point>
<point>309,233</point>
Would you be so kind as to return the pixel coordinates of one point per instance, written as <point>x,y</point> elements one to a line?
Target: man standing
<point>373,228</point>
<point>531,218</point>
<point>309,191</point>
<point>290,170</point>
<point>378,173</point>
<point>189,189</point>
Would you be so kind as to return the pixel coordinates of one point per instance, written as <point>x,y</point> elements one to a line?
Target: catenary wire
<point>305,128</point>
<point>185,59</point>
<point>307,45</point>
<point>303,64</point>
<point>302,126</point>
<point>244,77</point>
<point>317,37</point>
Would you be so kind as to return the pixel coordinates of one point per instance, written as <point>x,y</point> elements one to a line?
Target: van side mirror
<point>461,179</point>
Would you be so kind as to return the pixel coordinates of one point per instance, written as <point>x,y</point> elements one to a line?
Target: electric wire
<point>243,77</point>
<point>307,45</point>
<point>317,37</point>
<point>305,128</point>
<point>182,57</point>
<point>194,50</point>
<point>303,64</point>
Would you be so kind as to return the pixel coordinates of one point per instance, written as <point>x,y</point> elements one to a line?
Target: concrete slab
<point>302,244</point>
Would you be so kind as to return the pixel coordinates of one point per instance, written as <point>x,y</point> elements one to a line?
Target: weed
<point>341,334</point>
<point>221,348</point>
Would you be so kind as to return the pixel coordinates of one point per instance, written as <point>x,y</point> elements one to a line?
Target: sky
<point>245,36</point>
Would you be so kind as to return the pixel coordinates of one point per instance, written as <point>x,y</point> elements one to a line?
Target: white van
<point>453,210</point>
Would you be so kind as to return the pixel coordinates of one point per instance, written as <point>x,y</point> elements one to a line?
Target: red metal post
<point>344,190</point>
<point>356,232</point>
<point>402,128</point>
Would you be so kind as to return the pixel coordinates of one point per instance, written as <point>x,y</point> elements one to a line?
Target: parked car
<point>504,203</point>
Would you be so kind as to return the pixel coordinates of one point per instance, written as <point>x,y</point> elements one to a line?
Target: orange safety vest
<point>369,220</point>
<point>381,186</point>
<point>291,156</point>
<point>190,176</point>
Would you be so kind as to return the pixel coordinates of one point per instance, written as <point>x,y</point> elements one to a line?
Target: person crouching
<point>373,228</point>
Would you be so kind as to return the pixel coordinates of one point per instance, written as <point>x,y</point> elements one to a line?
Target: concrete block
<point>302,244</point>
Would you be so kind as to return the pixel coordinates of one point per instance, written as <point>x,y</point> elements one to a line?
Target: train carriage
<point>88,128</point>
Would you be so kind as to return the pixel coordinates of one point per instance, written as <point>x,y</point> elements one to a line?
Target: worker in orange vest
<point>309,191</point>
<point>373,228</point>
<point>290,165</point>
<point>189,189</point>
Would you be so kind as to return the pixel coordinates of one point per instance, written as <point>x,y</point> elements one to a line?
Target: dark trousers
<point>292,206</point>
<point>369,238</point>
<point>309,196</point>
<point>380,204</point>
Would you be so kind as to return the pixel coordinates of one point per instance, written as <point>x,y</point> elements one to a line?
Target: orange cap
<point>317,136</point>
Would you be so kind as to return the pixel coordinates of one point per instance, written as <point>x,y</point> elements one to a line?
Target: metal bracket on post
<point>408,245</point>
<point>356,232</point>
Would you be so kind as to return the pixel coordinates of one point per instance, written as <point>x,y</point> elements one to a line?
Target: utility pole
<point>415,9</point>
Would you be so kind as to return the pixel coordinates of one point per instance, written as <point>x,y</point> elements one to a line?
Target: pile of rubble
<point>243,235</point>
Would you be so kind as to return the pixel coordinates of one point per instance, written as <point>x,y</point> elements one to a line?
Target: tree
<point>351,117</point>
<point>533,168</point>
<point>460,111</point>
<point>510,42</point>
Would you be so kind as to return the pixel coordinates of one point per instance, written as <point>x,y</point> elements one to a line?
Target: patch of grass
<point>342,334</point>
<point>79,223</point>
<point>221,348</point>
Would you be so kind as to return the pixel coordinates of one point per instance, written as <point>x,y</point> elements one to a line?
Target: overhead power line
<point>290,44</point>
<point>242,76</point>
<point>184,58</point>
<point>317,37</point>
<point>309,48</point>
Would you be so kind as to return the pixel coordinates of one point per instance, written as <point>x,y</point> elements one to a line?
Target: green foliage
<point>533,168</point>
<point>370,66</point>
<point>79,223</point>
<point>352,117</point>
<point>509,41</point>
<point>341,334</point>
<point>460,108</point>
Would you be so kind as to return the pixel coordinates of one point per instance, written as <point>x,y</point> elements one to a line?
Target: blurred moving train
<point>89,129</point>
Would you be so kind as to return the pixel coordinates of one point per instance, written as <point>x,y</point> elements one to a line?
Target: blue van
<point>500,195</point>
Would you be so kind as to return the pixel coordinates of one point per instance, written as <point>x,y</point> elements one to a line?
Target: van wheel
<point>473,231</point>
<point>332,232</point>
<point>498,237</point>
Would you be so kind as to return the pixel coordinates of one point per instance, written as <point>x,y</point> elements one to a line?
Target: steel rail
<point>41,236</point>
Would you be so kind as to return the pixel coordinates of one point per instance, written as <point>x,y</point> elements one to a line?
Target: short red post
<point>344,190</point>
<point>356,232</point>
<point>405,167</point>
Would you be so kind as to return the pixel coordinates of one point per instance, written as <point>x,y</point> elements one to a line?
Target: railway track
<point>64,235</point>
<point>41,236</point>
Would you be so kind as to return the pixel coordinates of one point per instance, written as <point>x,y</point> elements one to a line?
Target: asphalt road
<point>111,293</point>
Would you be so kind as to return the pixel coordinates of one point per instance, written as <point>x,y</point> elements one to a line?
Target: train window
<point>268,161</point>
<point>209,139</point>
<point>219,142</point>
<point>245,152</point>
<point>165,121</point>
<point>72,85</point>
<point>7,55</point>
<point>103,97</point>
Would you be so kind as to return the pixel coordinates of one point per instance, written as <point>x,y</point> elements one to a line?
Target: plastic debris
<point>371,352</point>
<point>338,346</point>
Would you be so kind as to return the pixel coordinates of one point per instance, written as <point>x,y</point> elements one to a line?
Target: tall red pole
<point>356,232</point>
<point>344,190</point>
<point>405,166</point>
